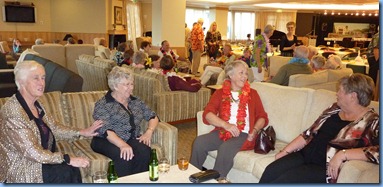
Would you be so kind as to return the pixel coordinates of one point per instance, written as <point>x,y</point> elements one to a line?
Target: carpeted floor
<point>186,135</point>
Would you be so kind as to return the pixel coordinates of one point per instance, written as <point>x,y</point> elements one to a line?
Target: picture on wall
<point>118,15</point>
<point>352,29</point>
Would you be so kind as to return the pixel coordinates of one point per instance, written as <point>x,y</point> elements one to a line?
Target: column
<point>168,22</point>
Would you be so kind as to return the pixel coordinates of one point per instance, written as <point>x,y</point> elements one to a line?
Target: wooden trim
<point>182,121</point>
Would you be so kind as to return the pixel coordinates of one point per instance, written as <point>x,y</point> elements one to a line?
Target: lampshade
<point>67,36</point>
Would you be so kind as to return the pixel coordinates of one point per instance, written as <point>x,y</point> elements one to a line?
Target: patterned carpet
<point>186,135</point>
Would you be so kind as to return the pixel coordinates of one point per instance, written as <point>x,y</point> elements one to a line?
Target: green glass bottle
<point>112,174</point>
<point>153,166</point>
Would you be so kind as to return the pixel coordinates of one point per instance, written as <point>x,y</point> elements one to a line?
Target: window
<point>192,15</point>
<point>240,24</point>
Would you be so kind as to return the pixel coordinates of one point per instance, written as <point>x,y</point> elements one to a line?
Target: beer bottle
<point>112,174</point>
<point>153,166</point>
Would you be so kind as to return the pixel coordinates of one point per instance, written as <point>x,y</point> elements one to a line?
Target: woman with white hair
<point>299,64</point>
<point>333,62</point>
<point>28,135</point>
<point>317,62</point>
<point>261,48</point>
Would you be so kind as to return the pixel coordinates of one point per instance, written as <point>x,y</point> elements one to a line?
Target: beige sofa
<point>326,79</point>
<point>65,55</point>
<point>76,109</point>
<point>290,111</point>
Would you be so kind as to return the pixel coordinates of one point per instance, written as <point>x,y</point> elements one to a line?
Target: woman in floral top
<point>261,48</point>
<point>348,130</point>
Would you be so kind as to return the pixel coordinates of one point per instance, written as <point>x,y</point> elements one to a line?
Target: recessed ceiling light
<point>346,13</point>
<point>300,6</point>
<point>338,13</point>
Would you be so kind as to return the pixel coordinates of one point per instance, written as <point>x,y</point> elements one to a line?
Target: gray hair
<point>139,57</point>
<point>229,68</point>
<point>333,62</point>
<point>117,74</point>
<point>318,61</point>
<point>362,85</point>
<point>268,29</point>
<point>39,41</point>
<point>312,50</point>
<point>23,69</point>
<point>301,52</point>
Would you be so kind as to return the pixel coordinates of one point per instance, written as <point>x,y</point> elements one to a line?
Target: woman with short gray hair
<point>120,138</point>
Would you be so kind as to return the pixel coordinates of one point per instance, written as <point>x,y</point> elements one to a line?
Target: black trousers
<point>139,163</point>
<point>374,68</point>
<point>292,169</point>
<point>61,173</point>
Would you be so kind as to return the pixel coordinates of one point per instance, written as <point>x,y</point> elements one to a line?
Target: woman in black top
<point>289,41</point>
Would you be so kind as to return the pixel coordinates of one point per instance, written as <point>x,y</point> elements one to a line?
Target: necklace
<point>235,100</point>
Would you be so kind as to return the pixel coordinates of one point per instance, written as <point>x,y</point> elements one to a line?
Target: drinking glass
<point>183,163</point>
<point>163,165</point>
<point>100,177</point>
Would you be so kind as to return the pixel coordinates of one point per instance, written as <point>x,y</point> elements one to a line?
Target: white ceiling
<point>250,4</point>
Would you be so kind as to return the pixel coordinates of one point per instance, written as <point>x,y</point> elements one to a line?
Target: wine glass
<point>163,165</point>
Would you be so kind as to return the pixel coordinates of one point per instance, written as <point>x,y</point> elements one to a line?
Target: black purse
<point>204,176</point>
<point>265,141</point>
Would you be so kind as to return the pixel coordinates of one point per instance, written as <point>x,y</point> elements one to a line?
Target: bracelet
<point>149,128</point>
<point>256,130</point>
<point>345,155</point>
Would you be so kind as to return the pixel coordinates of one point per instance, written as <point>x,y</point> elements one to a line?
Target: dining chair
<point>357,68</point>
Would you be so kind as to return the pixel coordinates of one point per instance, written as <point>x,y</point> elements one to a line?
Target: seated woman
<point>28,135</point>
<point>299,64</point>
<point>317,62</point>
<point>176,82</point>
<point>16,48</point>
<point>347,130</point>
<point>119,55</point>
<point>139,59</point>
<point>154,64</point>
<point>247,56</point>
<point>237,113</point>
<point>145,47</point>
<point>333,62</point>
<point>120,138</point>
<point>217,67</point>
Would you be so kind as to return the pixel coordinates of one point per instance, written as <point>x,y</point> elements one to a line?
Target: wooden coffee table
<point>173,176</point>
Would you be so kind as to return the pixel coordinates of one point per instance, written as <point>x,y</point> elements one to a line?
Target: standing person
<point>289,41</point>
<point>249,41</point>
<point>347,130</point>
<point>213,40</point>
<point>261,48</point>
<point>187,41</point>
<point>120,138</point>
<point>236,111</point>
<point>28,135</point>
<point>373,56</point>
<point>197,41</point>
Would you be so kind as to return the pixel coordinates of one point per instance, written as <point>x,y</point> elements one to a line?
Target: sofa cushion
<point>335,75</point>
<point>276,62</point>
<point>303,80</point>
<point>78,107</point>
<point>73,51</point>
<point>87,58</point>
<point>285,118</point>
<point>53,52</point>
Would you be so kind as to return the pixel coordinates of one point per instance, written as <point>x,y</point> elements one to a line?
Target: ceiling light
<point>376,14</point>
<point>363,14</point>
<point>338,13</point>
<point>357,14</point>
<point>332,13</point>
<point>369,14</point>
<point>325,13</point>
<point>352,14</point>
<point>346,13</point>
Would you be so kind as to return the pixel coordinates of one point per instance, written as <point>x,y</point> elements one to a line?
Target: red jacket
<point>255,107</point>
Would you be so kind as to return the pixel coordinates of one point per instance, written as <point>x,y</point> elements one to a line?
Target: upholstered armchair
<point>139,40</point>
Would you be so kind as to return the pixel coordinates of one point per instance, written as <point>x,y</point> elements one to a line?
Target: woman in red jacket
<point>237,113</point>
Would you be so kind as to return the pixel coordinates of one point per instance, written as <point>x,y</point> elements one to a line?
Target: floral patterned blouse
<point>197,37</point>
<point>260,42</point>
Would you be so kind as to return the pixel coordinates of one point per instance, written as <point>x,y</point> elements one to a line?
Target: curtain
<point>134,23</point>
<point>277,19</point>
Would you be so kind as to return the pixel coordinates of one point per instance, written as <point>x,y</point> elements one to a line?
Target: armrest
<point>357,171</point>
<point>179,105</point>
<point>165,136</point>
<point>202,128</point>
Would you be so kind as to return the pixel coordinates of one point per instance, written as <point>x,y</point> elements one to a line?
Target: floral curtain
<point>134,22</point>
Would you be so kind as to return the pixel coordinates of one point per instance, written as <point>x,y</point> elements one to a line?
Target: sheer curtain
<point>242,23</point>
<point>134,24</point>
<point>277,19</point>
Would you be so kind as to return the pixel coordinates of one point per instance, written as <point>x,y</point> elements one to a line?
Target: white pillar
<point>168,22</point>
<point>219,15</point>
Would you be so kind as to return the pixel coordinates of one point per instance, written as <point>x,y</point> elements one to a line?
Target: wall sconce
<point>67,36</point>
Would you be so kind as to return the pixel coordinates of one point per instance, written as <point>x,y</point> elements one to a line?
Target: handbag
<point>265,141</point>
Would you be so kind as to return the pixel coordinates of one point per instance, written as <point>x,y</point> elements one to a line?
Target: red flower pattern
<point>244,97</point>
